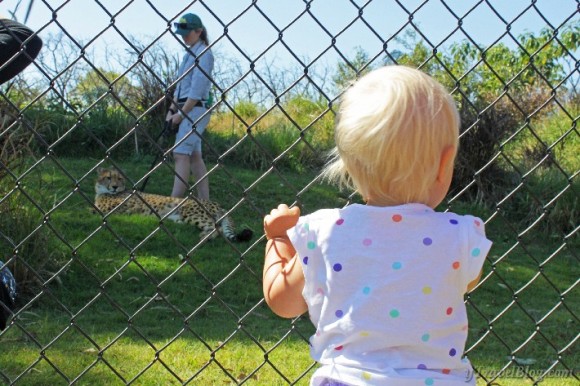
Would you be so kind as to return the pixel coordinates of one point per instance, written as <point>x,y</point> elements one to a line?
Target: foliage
<point>106,87</point>
<point>352,69</point>
<point>25,248</point>
<point>246,112</point>
<point>535,64</point>
<point>92,134</point>
<point>500,91</point>
<point>297,133</point>
<point>152,77</point>
<point>504,94</point>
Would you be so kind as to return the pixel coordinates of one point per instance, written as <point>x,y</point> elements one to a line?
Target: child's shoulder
<point>465,219</point>
<point>321,215</point>
<point>469,223</point>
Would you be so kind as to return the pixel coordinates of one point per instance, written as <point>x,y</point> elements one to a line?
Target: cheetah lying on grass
<point>111,195</point>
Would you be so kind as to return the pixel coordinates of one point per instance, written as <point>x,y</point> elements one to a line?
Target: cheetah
<point>111,195</point>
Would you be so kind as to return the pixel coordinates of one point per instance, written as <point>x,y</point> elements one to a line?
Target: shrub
<point>485,127</point>
<point>263,136</point>
<point>94,134</point>
<point>25,246</point>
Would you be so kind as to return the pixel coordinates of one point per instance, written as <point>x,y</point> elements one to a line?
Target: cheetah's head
<point>109,181</point>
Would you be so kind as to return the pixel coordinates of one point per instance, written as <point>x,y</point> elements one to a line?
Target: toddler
<point>383,283</point>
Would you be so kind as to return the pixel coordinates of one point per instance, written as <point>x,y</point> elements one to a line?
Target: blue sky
<point>252,33</point>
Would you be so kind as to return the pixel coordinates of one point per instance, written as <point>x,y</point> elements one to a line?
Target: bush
<point>485,127</point>
<point>24,246</point>
<point>521,160</point>
<point>299,123</point>
<point>95,134</point>
<point>259,150</point>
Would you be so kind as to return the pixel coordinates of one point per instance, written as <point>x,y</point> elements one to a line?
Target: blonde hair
<point>392,127</point>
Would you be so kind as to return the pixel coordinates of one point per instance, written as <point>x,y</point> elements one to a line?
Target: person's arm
<point>200,83</point>
<point>187,107</point>
<point>283,279</point>
<point>177,115</point>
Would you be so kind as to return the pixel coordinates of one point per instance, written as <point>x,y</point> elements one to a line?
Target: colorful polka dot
<point>427,290</point>
<point>311,245</point>
<point>397,218</point>
<point>446,371</point>
<point>364,333</point>
<point>477,223</point>
<point>367,290</point>
<point>427,241</point>
<point>320,291</point>
<point>337,267</point>
<point>366,376</point>
<point>429,381</point>
<point>338,348</point>
<point>339,313</point>
<point>306,227</point>
<point>449,310</point>
<point>452,352</point>
<point>397,265</point>
<point>305,260</point>
<point>394,313</point>
<point>367,242</point>
<point>453,221</point>
<point>425,337</point>
<point>456,265</point>
<point>422,367</point>
<point>340,221</point>
<point>475,252</point>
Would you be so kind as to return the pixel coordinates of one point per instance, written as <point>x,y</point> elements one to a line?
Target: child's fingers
<point>280,211</point>
<point>283,210</point>
<point>280,220</point>
<point>294,211</point>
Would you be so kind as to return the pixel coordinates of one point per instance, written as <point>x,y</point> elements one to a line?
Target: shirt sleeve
<point>313,266</point>
<point>478,247</point>
<point>298,234</point>
<point>200,76</point>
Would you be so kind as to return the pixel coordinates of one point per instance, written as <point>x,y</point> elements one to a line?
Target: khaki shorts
<point>188,137</point>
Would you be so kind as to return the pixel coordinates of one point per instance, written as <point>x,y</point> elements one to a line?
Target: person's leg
<point>199,170</point>
<point>188,141</point>
<point>15,51</point>
<point>182,172</point>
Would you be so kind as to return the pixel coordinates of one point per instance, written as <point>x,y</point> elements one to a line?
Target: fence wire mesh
<point>105,298</point>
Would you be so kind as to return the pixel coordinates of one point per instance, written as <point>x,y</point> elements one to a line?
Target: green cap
<point>187,23</point>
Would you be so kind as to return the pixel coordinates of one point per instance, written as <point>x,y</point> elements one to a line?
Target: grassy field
<point>130,300</point>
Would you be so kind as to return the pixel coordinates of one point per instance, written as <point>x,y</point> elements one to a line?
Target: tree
<point>96,83</point>
<point>351,69</point>
<point>536,64</point>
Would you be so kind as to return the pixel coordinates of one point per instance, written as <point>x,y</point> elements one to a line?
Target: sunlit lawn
<point>143,303</point>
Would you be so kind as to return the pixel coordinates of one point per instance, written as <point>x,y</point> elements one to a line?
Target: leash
<point>165,132</point>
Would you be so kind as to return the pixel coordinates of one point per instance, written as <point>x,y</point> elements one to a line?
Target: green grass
<point>143,303</point>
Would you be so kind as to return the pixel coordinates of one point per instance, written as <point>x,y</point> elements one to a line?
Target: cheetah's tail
<point>244,235</point>
<point>228,231</point>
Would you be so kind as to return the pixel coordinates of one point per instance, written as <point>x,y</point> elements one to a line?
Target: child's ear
<point>446,163</point>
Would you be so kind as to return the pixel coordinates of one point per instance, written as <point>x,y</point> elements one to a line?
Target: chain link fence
<point>114,299</point>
